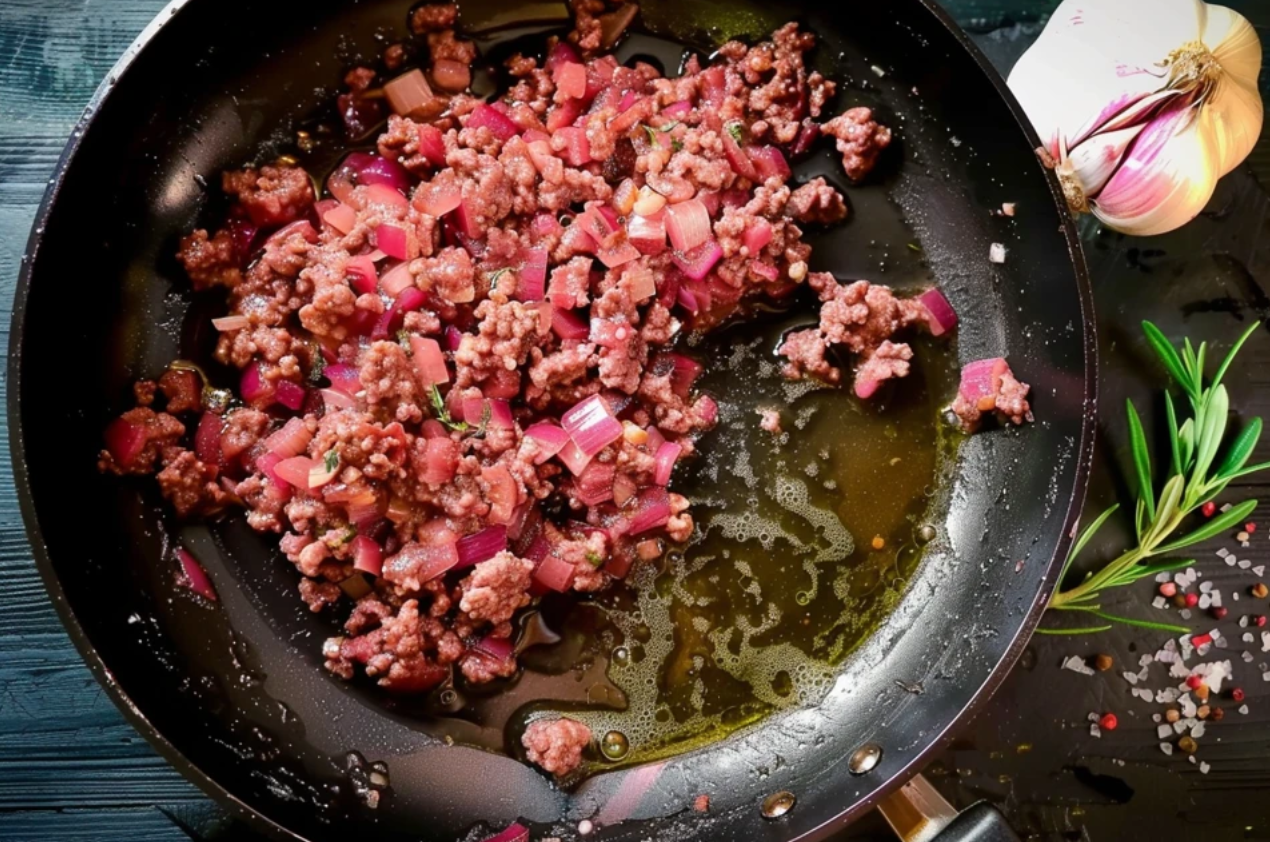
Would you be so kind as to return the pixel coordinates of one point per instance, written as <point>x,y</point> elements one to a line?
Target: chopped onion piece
<point>499,124</point>
<point>439,197</point>
<point>591,426</point>
<point>451,75</point>
<point>573,457</point>
<point>395,242</point>
<point>409,94</point>
<point>688,224</point>
<point>429,361</point>
<point>532,275</point>
<point>981,381</point>
<point>549,438</point>
<point>295,471</point>
<point>291,440</point>
<point>555,573</point>
<point>666,456</point>
<point>652,509</point>
<point>344,378</point>
<point>341,217</point>
<point>481,546</point>
<point>194,576</point>
<point>996,253</point>
<point>206,440</point>
<point>568,325</point>
<point>396,280</point>
<point>698,262</point>
<point>290,395</point>
<point>942,317</point>
<point>227,323</point>
<point>368,556</point>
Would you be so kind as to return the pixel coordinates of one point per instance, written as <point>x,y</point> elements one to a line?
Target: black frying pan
<point>236,698</point>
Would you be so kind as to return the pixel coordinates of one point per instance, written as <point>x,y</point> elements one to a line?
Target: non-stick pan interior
<point>236,695</point>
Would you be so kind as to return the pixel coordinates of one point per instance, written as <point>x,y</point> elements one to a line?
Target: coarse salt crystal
<point>1247,656</point>
<point>1217,599</point>
<point>1235,596</point>
<point>1095,731</point>
<point>1244,564</point>
<point>877,71</point>
<point>1179,726</point>
<point>1203,768</point>
<point>1158,602</point>
<point>1191,759</point>
<point>1185,613</point>
<point>1178,670</point>
<point>1167,748</point>
<point>1249,637</point>
<point>996,253</point>
<point>1205,587</point>
<point>1259,570</point>
<point>1131,678</point>
<point>1197,730</point>
<point>1145,660</point>
<point>1164,732</point>
<point>1143,694</point>
<point>1143,673</point>
<point>1243,709</point>
<point>1077,664</point>
<point>1155,717</point>
<point>1205,600</point>
<point>1161,578</point>
<point>1243,622</point>
<point>1230,560</point>
<point>1226,506</point>
<point>1091,716</point>
<point>1007,208</point>
<point>1265,641</point>
<point>1223,552</point>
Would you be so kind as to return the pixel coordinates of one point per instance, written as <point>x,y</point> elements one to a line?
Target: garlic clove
<point>1165,179</point>
<point>1094,161</point>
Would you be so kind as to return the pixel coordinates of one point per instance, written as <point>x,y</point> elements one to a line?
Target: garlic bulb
<point>1143,104</point>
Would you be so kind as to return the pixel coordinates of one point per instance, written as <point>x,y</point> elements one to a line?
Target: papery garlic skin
<point>1143,104</point>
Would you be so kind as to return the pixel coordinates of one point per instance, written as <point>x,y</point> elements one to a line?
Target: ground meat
<point>182,390</point>
<point>497,588</point>
<point>1008,402</point>
<point>860,139</point>
<point>190,486</point>
<point>770,420</point>
<point>271,196</point>
<point>210,261</point>
<point>434,17</point>
<point>816,201</point>
<point>556,744</point>
<point>407,374</point>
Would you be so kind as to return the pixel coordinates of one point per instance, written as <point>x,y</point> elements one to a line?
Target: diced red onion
<point>688,224</point>
<point>570,78</point>
<point>981,381</point>
<point>655,439</point>
<point>302,227</point>
<point>267,465</point>
<point>440,459</point>
<point>502,492</point>
<point>396,279</point>
<point>344,378</point>
<point>500,414</point>
<point>632,112</point>
<point>420,562</point>
<point>341,217</point>
<point>555,573</point>
<point>439,197</point>
<point>370,169</point>
<point>573,457</point>
<point>368,556</point>
<point>765,270</point>
<point>769,161</point>
<point>466,217</point>
<point>624,488</point>
<point>563,115</point>
<point>362,275</point>
<point>295,471</point>
<point>290,395</point>
<point>335,400</point>
<point>549,438</point>
<point>577,149</point>
<point>652,510</point>
<point>195,577</point>
<point>453,338</point>
<point>942,316</point>
<point>591,426</point>
<point>666,456</point>
<point>254,388</point>
<point>568,325</point>
<point>532,275</point>
<point>409,94</point>
<point>677,109</point>
<point>451,75</point>
<point>865,389</point>
<point>481,546</point>
<point>394,241</point>
<point>739,161</point>
<point>434,429</point>
<point>383,194</point>
<point>595,484</point>
<point>708,409</point>
<point>698,262</point>
<point>647,233</point>
<point>618,255</point>
<point>599,74</point>
<point>227,323</point>
<point>499,124</point>
<point>429,361</point>
<point>545,225</point>
<point>432,144</point>
<point>410,298</point>
<point>206,440</point>
<point>291,440</point>
<point>675,188</point>
<point>473,409</point>
<point>756,237</point>
<point>498,649</point>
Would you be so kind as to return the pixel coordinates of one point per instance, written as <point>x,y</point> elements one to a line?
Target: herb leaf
<point>1141,460</point>
<point>1240,449</point>
<point>1168,355</point>
<point>440,412</point>
<point>1228,519</point>
<point>331,460</point>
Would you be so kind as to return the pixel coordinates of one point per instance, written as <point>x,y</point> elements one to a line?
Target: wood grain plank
<point>128,824</point>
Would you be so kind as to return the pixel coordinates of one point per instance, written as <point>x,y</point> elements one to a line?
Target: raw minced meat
<point>490,269</point>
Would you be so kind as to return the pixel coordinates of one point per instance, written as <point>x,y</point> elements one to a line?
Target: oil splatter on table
<point>72,769</point>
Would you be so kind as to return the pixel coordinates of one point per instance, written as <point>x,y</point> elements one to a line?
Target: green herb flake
<point>737,131</point>
<point>676,145</point>
<point>403,339</point>
<point>441,413</point>
<point>496,275</point>
<point>331,460</point>
<point>595,558</point>
<point>317,369</point>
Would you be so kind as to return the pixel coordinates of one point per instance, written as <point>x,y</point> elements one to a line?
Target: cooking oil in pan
<point>805,539</point>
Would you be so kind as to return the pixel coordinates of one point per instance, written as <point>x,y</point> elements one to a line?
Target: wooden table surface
<point>71,769</point>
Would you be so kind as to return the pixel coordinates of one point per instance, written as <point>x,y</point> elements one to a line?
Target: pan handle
<point>918,813</point>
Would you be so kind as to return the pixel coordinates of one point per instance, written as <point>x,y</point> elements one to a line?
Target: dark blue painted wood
<point>71,769</point>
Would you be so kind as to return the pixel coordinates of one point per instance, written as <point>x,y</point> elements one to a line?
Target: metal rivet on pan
<point>864,759</point>
<point>778,804</point>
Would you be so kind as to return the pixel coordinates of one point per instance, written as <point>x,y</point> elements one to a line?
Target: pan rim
<point>259,820</point>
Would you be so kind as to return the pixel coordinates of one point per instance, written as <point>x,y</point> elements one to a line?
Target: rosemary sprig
<point>1192,482</point>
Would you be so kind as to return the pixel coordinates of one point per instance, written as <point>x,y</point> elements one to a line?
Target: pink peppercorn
<point>1219,612</point>
<point>1192,599</point>
<point>1250,528</point>
<point>1108,722</point>
<point>1237,694</point>
<point>1168,589</point>
<point>1209,509</point>
<point>1260,621</point>
<point>1194,682</point>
